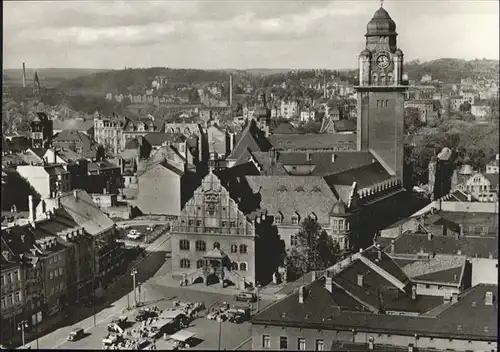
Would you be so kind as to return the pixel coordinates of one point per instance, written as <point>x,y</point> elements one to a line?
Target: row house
<point>289,109</point>
<point>13,293</point>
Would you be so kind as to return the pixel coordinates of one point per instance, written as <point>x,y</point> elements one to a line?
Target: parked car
<point>246,297</point>
<point>76,334</point>
<point>144,315</point>
<point>134,236</point>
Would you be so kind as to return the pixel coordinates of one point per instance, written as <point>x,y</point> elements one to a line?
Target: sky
<point>240,34</point>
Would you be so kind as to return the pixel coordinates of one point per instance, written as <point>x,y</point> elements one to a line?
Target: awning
<point>182,335</point>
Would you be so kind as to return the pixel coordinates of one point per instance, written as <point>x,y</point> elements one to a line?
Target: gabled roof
<point>101,165</point>
<point>85,213</point>
<point>251,139</point>
<point>157,139</point>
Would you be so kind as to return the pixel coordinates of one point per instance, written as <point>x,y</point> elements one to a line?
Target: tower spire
<point>381,3</point>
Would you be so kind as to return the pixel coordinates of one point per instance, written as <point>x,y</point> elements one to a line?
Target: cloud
<point>236,32</point>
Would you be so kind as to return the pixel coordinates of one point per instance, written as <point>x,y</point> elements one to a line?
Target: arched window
<point>243,248</point>
<point>184,245</point>
<point>234,266</point>
<point>201,245</point>
<point>382,79</point>
<point>216,245</point>
<point>177,130</point>
<point>170,130</point>
<point>243,266</point>
<point>278,218</point>
<point>234,248</point>
<point>200,263</point>
<point>390,79</point>
<point>185,263</point>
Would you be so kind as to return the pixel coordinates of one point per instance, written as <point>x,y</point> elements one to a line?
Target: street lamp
<point>21,326</point>
<point>133,273</point>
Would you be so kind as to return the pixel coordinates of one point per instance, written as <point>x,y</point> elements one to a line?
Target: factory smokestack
<point>24,75</point>
<point>230,89</point>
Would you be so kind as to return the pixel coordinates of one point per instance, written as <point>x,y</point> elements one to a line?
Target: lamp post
<point>21,326</point>
<point>220,332</point>
<point>133,273</point>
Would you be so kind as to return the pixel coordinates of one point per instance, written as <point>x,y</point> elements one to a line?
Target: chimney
<point>414,292</point>
<point>55,156</point>
<point>75,194</point>
<point>44,206</point>
<point>301,294</point>
<point>454,297</point>
<point>461,230</point>
<point>488,298</point>
<point>24,75</point>
<point>104,191</point>
<point>31,210</point>
<point>379,254</point>
<point>231,142</point>
<point>230,89</point>
<point>329,284</point>
<point>360,280</point>
<point>393,246</point>
<point>410,347</point>
<point>333,157</point>
<point>429,236</point>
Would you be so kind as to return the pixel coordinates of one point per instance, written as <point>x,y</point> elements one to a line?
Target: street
<point>153,291</point>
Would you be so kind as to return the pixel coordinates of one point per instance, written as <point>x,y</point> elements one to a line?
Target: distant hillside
<point>136,80</point>
<point>49,77</point>
<point>452,70</point>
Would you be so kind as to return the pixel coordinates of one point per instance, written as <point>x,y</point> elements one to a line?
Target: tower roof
<point>381,24</point>
<point>339,208</point>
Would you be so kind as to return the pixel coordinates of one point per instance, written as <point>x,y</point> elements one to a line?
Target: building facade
<point>212,240</point>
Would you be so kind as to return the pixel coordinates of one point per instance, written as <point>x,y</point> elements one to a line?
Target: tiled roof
<point>101,165</point>
<point>85,213</point>
<point>285,128</point>
<point>345,125</point>
<point>55,170</point>
<point>441,268</point>
<point>365,176</point>
<point>313,141</point>
<point>88,146</point>
<point>294,194</point>
<point>59,221</point>
<point>319,312</point>
<point>73,124</point>
<point>324,166</point>
<point>493,179</point>
<point>158,138</point>
<point>481,247</point>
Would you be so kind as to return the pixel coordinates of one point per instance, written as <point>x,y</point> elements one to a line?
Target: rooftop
<point>313,141</point>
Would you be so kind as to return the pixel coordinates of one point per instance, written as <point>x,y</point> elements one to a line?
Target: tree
<point>465,107</point>
<point>412,120</point>
<point>314,250</point>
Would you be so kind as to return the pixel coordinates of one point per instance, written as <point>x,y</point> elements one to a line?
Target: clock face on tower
<point>382,61</point>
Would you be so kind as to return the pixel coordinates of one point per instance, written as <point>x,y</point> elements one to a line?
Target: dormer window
<point>313,216</point>
<point>295,219</point>
<point>278,218</point>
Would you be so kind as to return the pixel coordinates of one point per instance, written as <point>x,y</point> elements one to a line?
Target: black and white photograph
<point>314,175</point>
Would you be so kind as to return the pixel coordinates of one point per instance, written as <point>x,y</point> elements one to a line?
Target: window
<point>234,266</point>
<point>184,245</point>
<point>293,240</point>
<point>277,219</point>
<point>234,248</point>
<point>216,245</point>
<point>224,223</point>
<point>233,223</point>
<point>335,224</point>
<point>243,266</point>
<point>9,299</point>
<point>51,275</point>
<point>185,263</point>
<point>320,345</point>
<point>341,225</point>
<point>9,278</point>
<point>243,248</point>
<point>283,343</point>
<point>301,344</point>
<point>2,279</point>
<point>4,302</point>
<point>295,219</point>
<point>60,271</point>
<point>266,341</point>
<point>190,222</point>
<point>200,263</point>
<point>198,222</point>
<point>201,245</point>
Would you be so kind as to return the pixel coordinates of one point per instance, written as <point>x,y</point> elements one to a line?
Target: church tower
<point>380,125</point>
